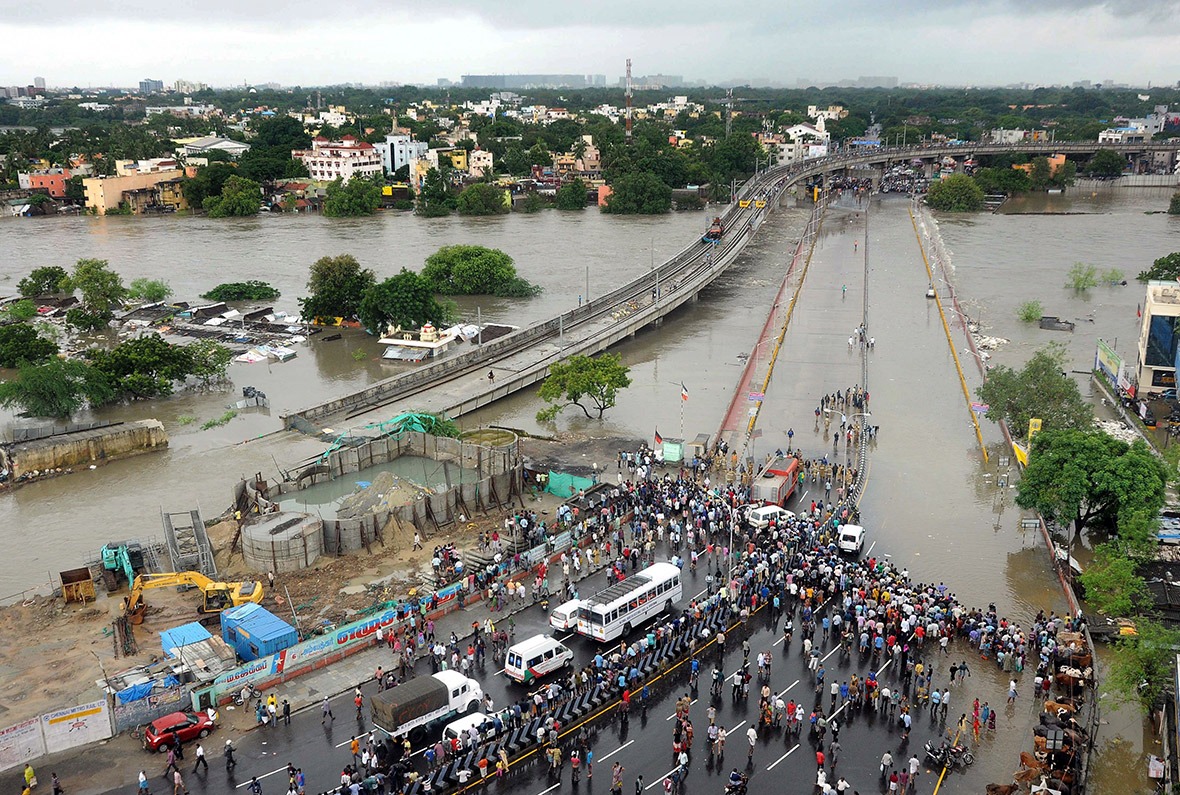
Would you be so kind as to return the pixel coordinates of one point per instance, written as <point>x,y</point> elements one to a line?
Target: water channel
<point>931,502</point>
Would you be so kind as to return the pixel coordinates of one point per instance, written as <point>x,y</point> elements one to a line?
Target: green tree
<point>434,199</point>
<point>957,193</point>
<point>572,195</point>
<point>1142,666</point>
<point>405,300</point>
<point>209,360</point>
<point>1088,477</point>
<point>1040,174</point>
<point>75,190</point>
<point>475,270</point>
<point>358,197</point>
<point>1030,311</point>
<point>1065,175</point>
<point>638,194</point>
<point>1106,163</point>
<point>337,285</point>
<point>1164,269</point>
<point>482,198</point>
<point>1081,277</point>
<point>1112,585</point>
<point>240,197</point>
<point>18,311</point>
<point>1174,205</point>
<point>150,290</point>
<point>45,280</point>
<point>532,203</point>
<point>144,367</point>
<point>20,342</point>
<point>56,388</point>
<point>1002,180</point>
<point>1039,389</point>
<point>588,383</point>
<point>102,292</point>
<point>207,183</point>
<point>252,290</point>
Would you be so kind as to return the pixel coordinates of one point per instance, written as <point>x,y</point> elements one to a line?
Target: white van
<point>536,657</point>
<point>565,615</point>
<point>760,518</point>
<point>852,539</point>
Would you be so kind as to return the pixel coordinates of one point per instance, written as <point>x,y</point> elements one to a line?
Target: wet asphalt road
<point>643,747</point>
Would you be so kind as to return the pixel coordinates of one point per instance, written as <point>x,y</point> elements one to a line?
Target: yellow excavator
<point>216,596</point>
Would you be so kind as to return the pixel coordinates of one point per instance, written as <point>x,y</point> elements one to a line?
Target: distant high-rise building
<point>150,86</point>
<point>524,81</point>
<point>39,83</point>
<point>444,82</point>
<point>598,81</point>
<point>189,86</point>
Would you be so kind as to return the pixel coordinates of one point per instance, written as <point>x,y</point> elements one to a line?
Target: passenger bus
<point>617,609</point>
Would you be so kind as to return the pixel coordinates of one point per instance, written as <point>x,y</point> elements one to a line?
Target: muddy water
<point>57,523</point>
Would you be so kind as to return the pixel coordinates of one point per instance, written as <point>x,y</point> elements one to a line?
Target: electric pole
<point>627,93</point>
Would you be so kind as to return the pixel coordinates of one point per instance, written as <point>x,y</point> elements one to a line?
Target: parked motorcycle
<point>948,756</point>
<point>247,694</point>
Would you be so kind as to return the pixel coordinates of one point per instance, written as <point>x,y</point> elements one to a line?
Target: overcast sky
<point>308,42</point>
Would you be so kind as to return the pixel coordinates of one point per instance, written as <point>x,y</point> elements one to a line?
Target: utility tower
<point>628,96</point>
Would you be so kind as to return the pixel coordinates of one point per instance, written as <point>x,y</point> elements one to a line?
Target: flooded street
<point>931,503</point>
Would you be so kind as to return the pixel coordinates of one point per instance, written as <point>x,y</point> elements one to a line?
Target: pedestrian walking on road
<point>639,785</point>
<point>172,766</point>
<point>286,712</point>
<point>201,761</point>
<point>178,784</point>
<point>230,764</point>
<point>417,541</point>
<point>143,783</point>
<point>255,787</point>
<point>752,736</point>
<point>326,710</point>
<point>56,782</point>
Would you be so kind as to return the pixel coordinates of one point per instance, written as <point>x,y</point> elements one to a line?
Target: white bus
<point>617,609</point>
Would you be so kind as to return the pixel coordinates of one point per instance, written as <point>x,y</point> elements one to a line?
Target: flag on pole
<point>683,391</point>
<point>659,439</point>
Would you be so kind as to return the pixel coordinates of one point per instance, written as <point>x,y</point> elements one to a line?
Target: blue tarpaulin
<point>134,693</point>
<point>183,635</point>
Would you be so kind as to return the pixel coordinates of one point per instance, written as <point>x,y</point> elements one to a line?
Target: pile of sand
<point>384,493</point>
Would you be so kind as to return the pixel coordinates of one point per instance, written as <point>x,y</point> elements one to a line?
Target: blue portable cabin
<point>253,631</point>
<point>172,640</point>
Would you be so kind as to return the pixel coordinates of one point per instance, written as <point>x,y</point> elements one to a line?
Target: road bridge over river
<point>460,384</point>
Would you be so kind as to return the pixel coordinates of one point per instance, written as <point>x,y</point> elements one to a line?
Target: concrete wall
<point>498,470</point>
<point>84,447</point>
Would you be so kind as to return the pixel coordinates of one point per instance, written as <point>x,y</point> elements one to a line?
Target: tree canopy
<point>475,270</point>
<point>1039,389</point>
<point>1106,163</point>
<point>638,194</point>
<point>1089,477</point>
<point>957,193</point>
<point>405,300</point>
<point>572,195</point>
<point>357,197</point>
<point>482,198</point>
<point>591,384</point>
<point>45,280</point>
<point>1164,269</point>
<point>337,285</point>
<point>240,197</point>
<point>150,290</point>
<point>20,342</point>
<point>145,367</point>
<point>1143,664</point>
<point>252,290</point>
<point>56,388</point>
<point>102,292</point>
<point>434,198</point>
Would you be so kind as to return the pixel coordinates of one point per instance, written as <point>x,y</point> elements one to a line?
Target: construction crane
<point>216,596</point>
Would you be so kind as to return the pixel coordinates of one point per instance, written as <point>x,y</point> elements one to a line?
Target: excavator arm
<point>215,596</point>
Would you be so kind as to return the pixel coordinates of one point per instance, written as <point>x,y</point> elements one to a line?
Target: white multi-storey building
<point>327,160</point>
<point>399,150</point>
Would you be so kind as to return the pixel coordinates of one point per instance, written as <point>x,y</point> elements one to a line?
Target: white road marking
<point>659,780</point>
<point>555,786</point>
<point>780,695</point>
<point>871,547</point>
<point>673,715</point>
<point>264,775</point>
<point>612,753</point>
<point>784,756</point>
<point>829,654</point>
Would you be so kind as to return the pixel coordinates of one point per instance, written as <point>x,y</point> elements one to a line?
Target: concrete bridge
<point>459,384</point>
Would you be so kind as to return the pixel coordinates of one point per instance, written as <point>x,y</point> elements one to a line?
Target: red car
<point>185,725</point>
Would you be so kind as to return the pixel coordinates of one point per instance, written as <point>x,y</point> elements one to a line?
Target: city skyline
<point>992,43</point>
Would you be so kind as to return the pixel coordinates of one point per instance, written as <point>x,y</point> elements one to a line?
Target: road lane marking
<point>555,786</point>
<point>673,715</point>
<point>784,756</point>
<point>780,695</point>
<point>829,654</point>
<point>612,753</point>
<point>871,547</point>
<point>264,775</point>
<point>660,780</point>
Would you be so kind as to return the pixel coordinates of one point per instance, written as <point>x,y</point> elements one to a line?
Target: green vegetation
<point>337,285</point>
<point>434,199</point>
<point>1164,269</point>
<point>352,199</point>
<point>21,343</point>
<point>1174,205</point>
<point>269,158</point>
<point>1088,478</point>
<point>1030,311</point>
<point>1042,176</point>
<point>475,270</point>
<point>239,198</point>
<point>222,420</point>
<point>440,424</point>
<point>56,388</point>
<point>1113,276</point>
<point>572,195</point>
<point>102,291</point>
<point>532,203</point>
<point>359,355</point>
<point>18,311</point>
<point>209,360</point>
<point>1039,389</point>
<point>405,300</point>
<point>252,290</point>
<point>642,193</point>
<point>207,184</point>
<point>588,383</point>
<point>1142,667</point>
<point>148,367</point>
<point>482,198</point>
<point>185,419</point>
<point>150,290</point>
<point>1081,277</point>
<point>957,193</point>
<point>43,281</point>
<point>1112,586</point>
<point>1106,163</point>
<point>1002,180</point>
